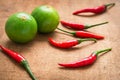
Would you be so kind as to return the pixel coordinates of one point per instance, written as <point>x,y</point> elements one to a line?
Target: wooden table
<point>43,57</point>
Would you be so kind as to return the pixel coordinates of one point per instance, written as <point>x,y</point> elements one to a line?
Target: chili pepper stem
<point>65,31</point>
<point>89,26</point>
<point>111,4</point>
<point>27,68</point>
<point>100,51</point>
<point>87,39</point>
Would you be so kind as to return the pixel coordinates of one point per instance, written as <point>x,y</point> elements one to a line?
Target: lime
<point>47,18</point>
<point>21,27</point>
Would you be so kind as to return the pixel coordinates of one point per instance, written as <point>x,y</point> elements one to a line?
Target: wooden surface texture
<point>43,57</point>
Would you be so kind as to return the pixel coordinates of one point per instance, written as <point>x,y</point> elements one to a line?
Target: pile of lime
<point>22,27</point>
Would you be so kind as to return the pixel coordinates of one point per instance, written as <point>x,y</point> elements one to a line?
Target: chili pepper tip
<point>61,64</point>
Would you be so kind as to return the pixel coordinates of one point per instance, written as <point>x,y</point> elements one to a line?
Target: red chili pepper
<point>85,61</point>
<point>69,44</point>
<point>96,10</point>
<point>20,59</point>
<point>83,34</point>
<point>79,26</point>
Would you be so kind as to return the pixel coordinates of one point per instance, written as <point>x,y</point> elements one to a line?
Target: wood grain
<point>43,58</point>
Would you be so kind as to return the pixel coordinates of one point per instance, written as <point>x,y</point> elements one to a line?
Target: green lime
<point>47,18</point>
<point>21,27</point>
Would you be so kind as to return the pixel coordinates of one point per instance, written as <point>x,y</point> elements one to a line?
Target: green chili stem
<point>27,68</point>
<point>111,4</point>
<point>87,39</point>
<point>89,26</point>
<point>65,31</point>
<point>100,51</point>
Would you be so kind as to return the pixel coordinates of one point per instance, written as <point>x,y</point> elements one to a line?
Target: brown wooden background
<point>43,58</point>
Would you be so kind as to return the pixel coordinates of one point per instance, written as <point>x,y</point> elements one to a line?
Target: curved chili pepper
<point>83,34</point>
<point>69,44</point>
<point>96,10</point>
<point>79,26</point>
<point>19,59</point>
<point>85,61</point>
